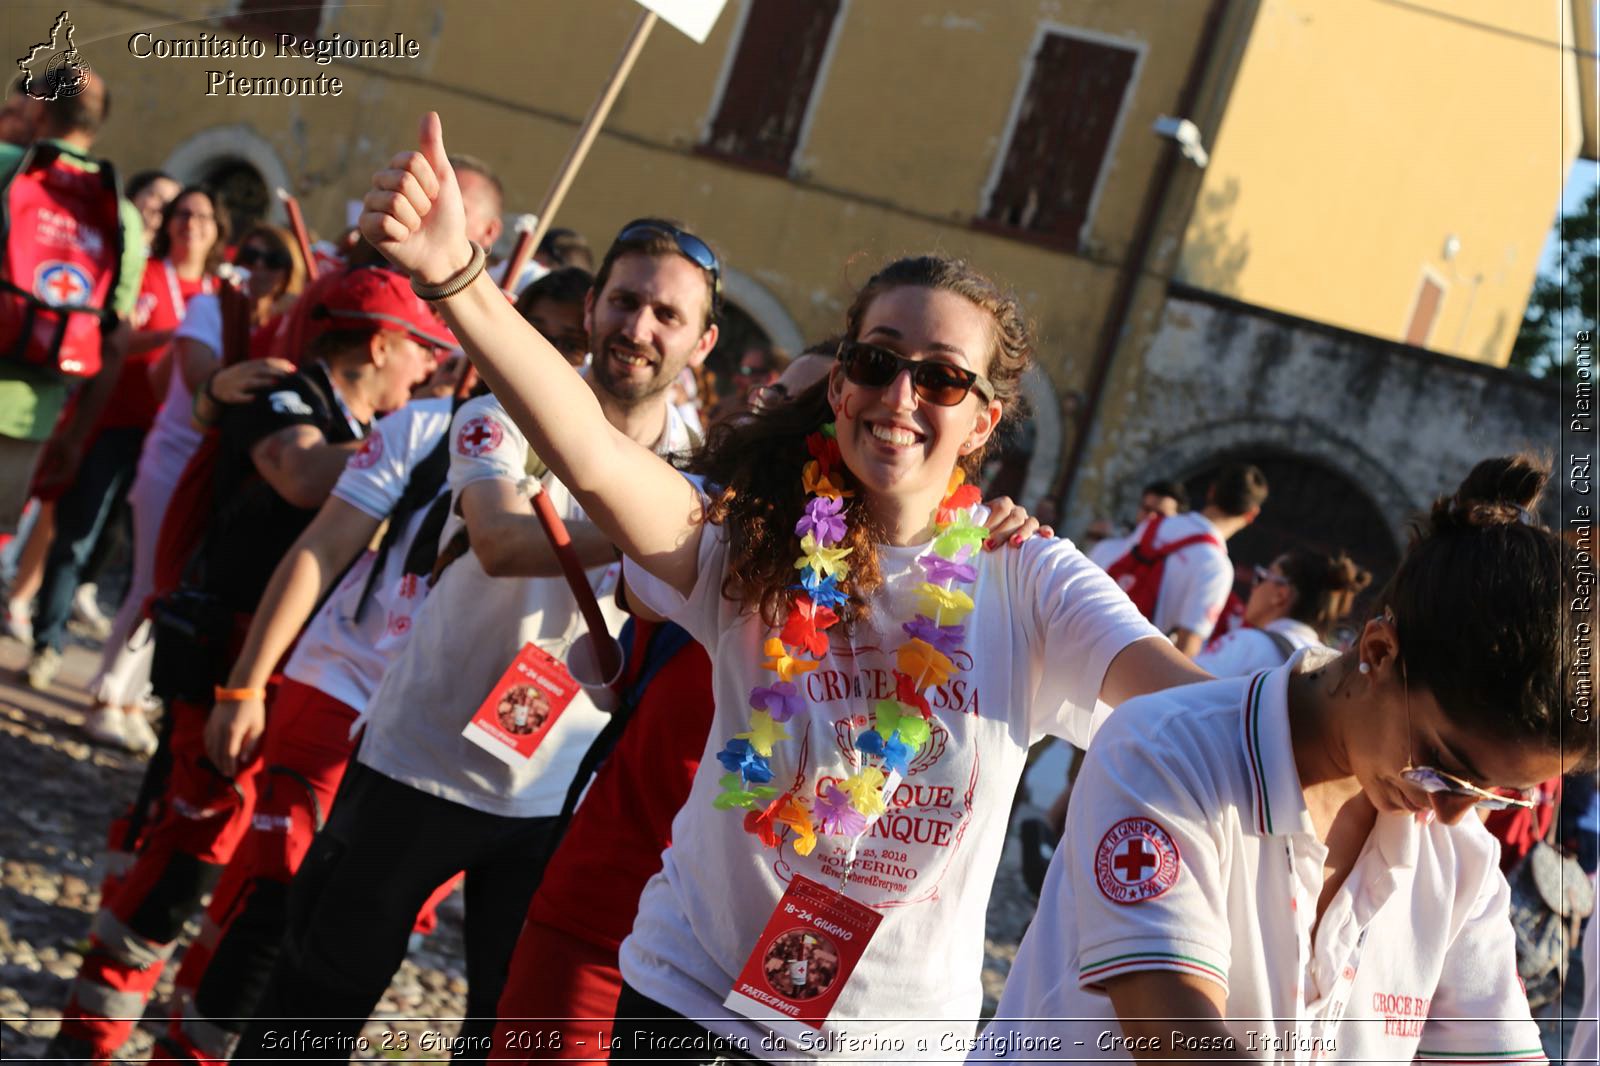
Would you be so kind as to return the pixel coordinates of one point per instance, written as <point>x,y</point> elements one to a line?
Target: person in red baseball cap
<point>280,455</point>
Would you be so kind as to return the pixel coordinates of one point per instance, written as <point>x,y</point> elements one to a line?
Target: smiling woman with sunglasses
<point>1291,861</point>
<point>878,677</point>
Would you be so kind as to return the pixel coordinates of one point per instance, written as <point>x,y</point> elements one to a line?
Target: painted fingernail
<point>989,544</point>
<point>1016,540</point>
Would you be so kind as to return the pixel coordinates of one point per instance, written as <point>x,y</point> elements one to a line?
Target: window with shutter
<point>770,83</point>
<point>1058,142</point>
<point>268,18</point>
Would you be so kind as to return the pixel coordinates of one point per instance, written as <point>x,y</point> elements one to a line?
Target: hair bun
<point>1499,491</point>
<point>1345,576</point>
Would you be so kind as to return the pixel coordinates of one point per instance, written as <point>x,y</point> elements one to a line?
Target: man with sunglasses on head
<point>421,802</point>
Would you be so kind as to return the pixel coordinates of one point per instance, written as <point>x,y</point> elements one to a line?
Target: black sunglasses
<point>939,383</point>
<point>274,260</point>
<point>693,248</point>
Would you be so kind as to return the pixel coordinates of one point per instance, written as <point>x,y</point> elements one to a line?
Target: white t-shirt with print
<point>1195,581</point>
<point>1046,625</point>
<point>1246,650</point>
<point>340,653</point>
<point>1188,848</point>
<point>465,636</point>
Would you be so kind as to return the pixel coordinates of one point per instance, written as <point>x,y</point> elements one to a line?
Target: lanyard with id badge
<point>805,955</point>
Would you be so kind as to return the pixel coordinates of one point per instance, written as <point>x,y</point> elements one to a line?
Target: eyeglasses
<point>272,260</point>
<point>193,216</point>
<point>693,248</point>
<point>939,383</point>
<point>1262,574</point>
<point>1432,780</point>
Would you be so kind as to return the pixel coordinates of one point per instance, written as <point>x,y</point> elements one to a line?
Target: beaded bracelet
<point>466,276</point>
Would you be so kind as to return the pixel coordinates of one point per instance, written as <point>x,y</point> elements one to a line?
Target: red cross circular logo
<point>479,435</point>
<point>61,284</point>
<point>1137,860</point>
<point>369,453</point>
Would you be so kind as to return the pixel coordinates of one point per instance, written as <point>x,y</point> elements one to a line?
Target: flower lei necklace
<point>922,661</point>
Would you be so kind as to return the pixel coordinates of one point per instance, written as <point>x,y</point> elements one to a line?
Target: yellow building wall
<point>909,116</point>
<point>1361,135</point>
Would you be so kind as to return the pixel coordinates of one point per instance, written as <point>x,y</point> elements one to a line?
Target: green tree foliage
<point>1565,297</point>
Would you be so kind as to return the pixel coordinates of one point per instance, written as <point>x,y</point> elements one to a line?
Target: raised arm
<point>413,214</point>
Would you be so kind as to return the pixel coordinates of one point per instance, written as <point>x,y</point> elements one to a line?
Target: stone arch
<point>200,156</point>
<point>1184,456</point>
<point>765,308</point>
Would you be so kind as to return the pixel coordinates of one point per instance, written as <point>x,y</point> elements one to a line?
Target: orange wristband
<point>237,694</point>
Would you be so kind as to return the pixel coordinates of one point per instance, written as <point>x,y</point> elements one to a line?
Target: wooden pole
<point>297,223</point>
<point>519,254</point>
<point>591,126</point>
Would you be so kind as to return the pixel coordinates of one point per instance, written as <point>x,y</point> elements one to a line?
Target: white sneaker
<point>18,623</point>
<point>43,668</point>
<point>86,609</point>
<point>137,735</point>
<point>105,725</point>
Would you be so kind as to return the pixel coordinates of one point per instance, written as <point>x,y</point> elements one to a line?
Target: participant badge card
<point>522,707</point>
<point>803,958</point>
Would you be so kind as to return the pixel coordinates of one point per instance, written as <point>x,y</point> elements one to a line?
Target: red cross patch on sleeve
<point>1137,860</point>
<point>478,436</point>
<point>369,453</point>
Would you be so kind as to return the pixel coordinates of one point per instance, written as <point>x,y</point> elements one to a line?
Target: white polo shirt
<point>1586,1037</point>
<point>1189,848</point>
<point>1195,581</point>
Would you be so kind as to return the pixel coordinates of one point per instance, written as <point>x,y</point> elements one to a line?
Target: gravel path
<point>59,791</point>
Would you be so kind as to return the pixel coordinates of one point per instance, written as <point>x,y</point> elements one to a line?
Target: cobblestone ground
<point>58,792</point>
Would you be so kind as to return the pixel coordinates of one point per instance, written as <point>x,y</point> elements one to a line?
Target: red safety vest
<point>62,255</point>
<point>1139,572</point>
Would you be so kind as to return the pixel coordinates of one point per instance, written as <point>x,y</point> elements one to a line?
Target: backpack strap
<point>664,644</point>
<point>1284,645</point>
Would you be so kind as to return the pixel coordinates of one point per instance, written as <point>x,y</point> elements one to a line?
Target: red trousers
<point>559,1000</point>
<point>203,816</point>
<point>304,754</point>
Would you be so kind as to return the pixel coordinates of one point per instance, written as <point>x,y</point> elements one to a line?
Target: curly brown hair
<point>755,460</point>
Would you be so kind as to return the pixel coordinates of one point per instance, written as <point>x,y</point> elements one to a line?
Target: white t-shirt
<point>1188,848</point>
<point>1195,581</point>
<point>1046,625</point>
<point>172,438</point>
<point>1246,650</point>
<point>465,636</point>
<point>338,653</point>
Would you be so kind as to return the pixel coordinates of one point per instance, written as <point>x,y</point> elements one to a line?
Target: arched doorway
<point>241,164</point>
<point>1309,505</point>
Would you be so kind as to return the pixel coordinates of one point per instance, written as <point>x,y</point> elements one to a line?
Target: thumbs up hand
<point>413,212</point>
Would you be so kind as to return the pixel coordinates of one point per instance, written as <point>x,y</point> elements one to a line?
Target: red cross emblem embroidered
<point>479,435</point>
<point>1137,860</point>
<point>369,453</point>
<point>61,284</point>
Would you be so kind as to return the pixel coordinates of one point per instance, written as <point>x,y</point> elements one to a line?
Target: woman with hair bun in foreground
<point>1289,865</point>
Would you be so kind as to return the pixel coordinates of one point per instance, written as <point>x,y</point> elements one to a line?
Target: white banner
<point>694,18</point>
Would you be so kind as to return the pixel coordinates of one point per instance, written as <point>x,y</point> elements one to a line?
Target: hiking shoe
<point>137,735</point>
<point>43,668</point>
<point>86,609</point>
<point>104,725</point>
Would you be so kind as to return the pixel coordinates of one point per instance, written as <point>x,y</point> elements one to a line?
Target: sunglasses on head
<point>1262,574</point>
<point>939,383</point>
<point>693,248</point>
<point>272,260</point>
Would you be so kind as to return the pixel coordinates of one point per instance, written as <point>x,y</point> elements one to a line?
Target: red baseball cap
<point>382,299</point>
